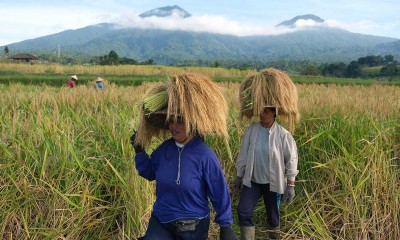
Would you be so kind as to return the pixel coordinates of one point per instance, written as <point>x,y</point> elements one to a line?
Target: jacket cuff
<point>224,225</point>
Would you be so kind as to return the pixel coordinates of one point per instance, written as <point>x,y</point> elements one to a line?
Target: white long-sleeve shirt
<point>282,156</point>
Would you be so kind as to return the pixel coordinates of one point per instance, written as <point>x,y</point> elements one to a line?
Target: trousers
<point>248,201</point>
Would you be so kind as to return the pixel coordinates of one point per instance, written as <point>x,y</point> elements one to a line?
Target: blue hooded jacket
<point>183,190</point>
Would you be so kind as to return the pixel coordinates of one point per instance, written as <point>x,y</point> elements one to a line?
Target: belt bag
<point>186,225</point>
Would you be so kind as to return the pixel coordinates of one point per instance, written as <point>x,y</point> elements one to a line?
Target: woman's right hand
<point>227,233</point>
<point>237,183</point>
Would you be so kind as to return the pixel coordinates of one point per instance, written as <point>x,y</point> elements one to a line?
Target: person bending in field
<point>99,83</point>
<point>72,82</point>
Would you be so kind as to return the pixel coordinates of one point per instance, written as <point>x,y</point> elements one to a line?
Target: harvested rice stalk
<point>155,102</point>
<point>270,87</point>
<point>145,129</point>
<point>192,96</point>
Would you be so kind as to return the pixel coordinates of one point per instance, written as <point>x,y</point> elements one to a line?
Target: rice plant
<point>67,168</point>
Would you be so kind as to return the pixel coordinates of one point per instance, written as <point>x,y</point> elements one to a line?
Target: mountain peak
<point>166,12</point>
<point>292,22</point>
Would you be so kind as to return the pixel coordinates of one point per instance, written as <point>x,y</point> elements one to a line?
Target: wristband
<point>291,185</point>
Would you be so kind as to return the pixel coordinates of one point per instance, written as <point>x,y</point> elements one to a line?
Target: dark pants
<point>168,231</point>
<point>248,201</point>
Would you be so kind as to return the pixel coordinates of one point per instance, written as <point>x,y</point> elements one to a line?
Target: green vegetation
<point>113,59</point>
<point>51,79</point>
<point>67,169</point>
<point>155,102</point>
<point>57,75</point>
<point>187,48</point>
<point>301,79</point>
<point>369,66</point>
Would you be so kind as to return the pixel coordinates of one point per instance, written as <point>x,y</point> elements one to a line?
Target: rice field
<point>67,168</point>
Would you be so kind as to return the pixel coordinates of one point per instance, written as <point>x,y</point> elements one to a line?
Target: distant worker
<point>72,82</point>
<point>99,83</point>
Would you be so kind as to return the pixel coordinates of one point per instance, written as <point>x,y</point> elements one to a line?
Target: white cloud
<point>367,27</point>
<point>360,25</point>
<point>303,23</point>
<point>204,23</point>
<point>31,19</point>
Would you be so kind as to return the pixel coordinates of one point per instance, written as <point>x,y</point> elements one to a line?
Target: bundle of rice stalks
<point>191,96</point>
<point>270,87</point>
<point>155,102</point>
<point>150,123</point>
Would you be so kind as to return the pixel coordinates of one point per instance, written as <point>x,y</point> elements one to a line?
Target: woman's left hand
<point>138,148</point>
<point>289,194</point>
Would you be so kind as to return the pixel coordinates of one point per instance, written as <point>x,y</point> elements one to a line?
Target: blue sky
<point>26,19</point>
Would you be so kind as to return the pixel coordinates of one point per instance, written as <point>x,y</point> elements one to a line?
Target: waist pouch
<point>186,225</point>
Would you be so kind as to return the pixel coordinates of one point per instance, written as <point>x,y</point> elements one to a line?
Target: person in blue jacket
<point>187,173</point>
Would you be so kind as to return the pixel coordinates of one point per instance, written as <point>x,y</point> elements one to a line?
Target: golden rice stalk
<point>200,102</point>
<point>194,97</point>
<point>270,87</point>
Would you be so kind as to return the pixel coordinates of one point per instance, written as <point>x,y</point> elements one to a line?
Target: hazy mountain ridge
<point>166,12</point>
<point>65,38</point>
<point>320,44</point>
<point>292,22</point>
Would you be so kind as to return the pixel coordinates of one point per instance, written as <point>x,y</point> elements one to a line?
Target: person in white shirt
<point>266,167</point>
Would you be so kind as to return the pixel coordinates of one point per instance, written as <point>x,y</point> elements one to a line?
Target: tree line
<point>112,58</point>
<point>386,66</point>
<point>389,68</point>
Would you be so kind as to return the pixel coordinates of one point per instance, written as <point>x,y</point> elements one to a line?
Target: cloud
<point>204,23</point>
<point>31,20</point>
<point>303,23</point>
<point>351,26</point>
<point>365,27</point>
<point>223,25</point>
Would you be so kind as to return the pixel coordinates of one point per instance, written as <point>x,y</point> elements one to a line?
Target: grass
<point>57,80</point>
<point>300,79</point>
<point>57,75</point>
<point>130,75</point>
<point>346,179</point>
<point>67,169</point>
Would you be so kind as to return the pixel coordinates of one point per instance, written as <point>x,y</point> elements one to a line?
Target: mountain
<point>166,12</point>
<point>171,47</point>
<point>64,39</point>
<point>292,22</point>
